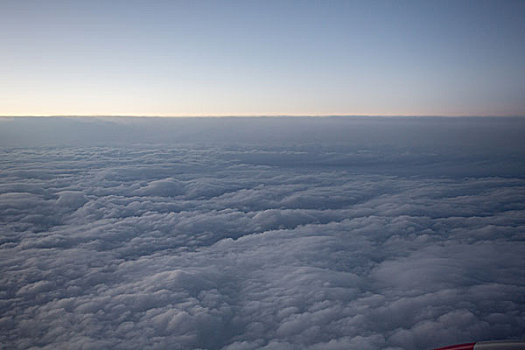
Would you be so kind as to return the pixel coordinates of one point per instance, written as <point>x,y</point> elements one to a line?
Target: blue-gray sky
<point>262,57</point>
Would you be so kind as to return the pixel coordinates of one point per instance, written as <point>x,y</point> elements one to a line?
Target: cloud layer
<point>324,243</point>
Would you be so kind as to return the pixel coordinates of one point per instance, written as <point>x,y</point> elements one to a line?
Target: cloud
<point>164,188</point>
<point>281,246</point>
<point>71,199</point>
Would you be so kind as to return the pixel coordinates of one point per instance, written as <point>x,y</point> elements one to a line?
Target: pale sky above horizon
<point>185,58</point>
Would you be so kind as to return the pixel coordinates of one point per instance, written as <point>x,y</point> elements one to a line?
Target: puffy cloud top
<point>164,188</point>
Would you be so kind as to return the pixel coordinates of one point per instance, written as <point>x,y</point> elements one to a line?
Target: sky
<point>187,58</point>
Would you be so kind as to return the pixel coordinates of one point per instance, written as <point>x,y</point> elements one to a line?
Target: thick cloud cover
<point>261,234</point>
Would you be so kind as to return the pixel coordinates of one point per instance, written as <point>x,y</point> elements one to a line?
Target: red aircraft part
<point>487,345</point>
<point>468,346</point>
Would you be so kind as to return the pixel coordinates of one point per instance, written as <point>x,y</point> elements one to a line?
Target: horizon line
<point>260,116</point>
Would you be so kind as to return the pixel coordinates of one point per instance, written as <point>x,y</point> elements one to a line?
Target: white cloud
<point>263,247</point>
